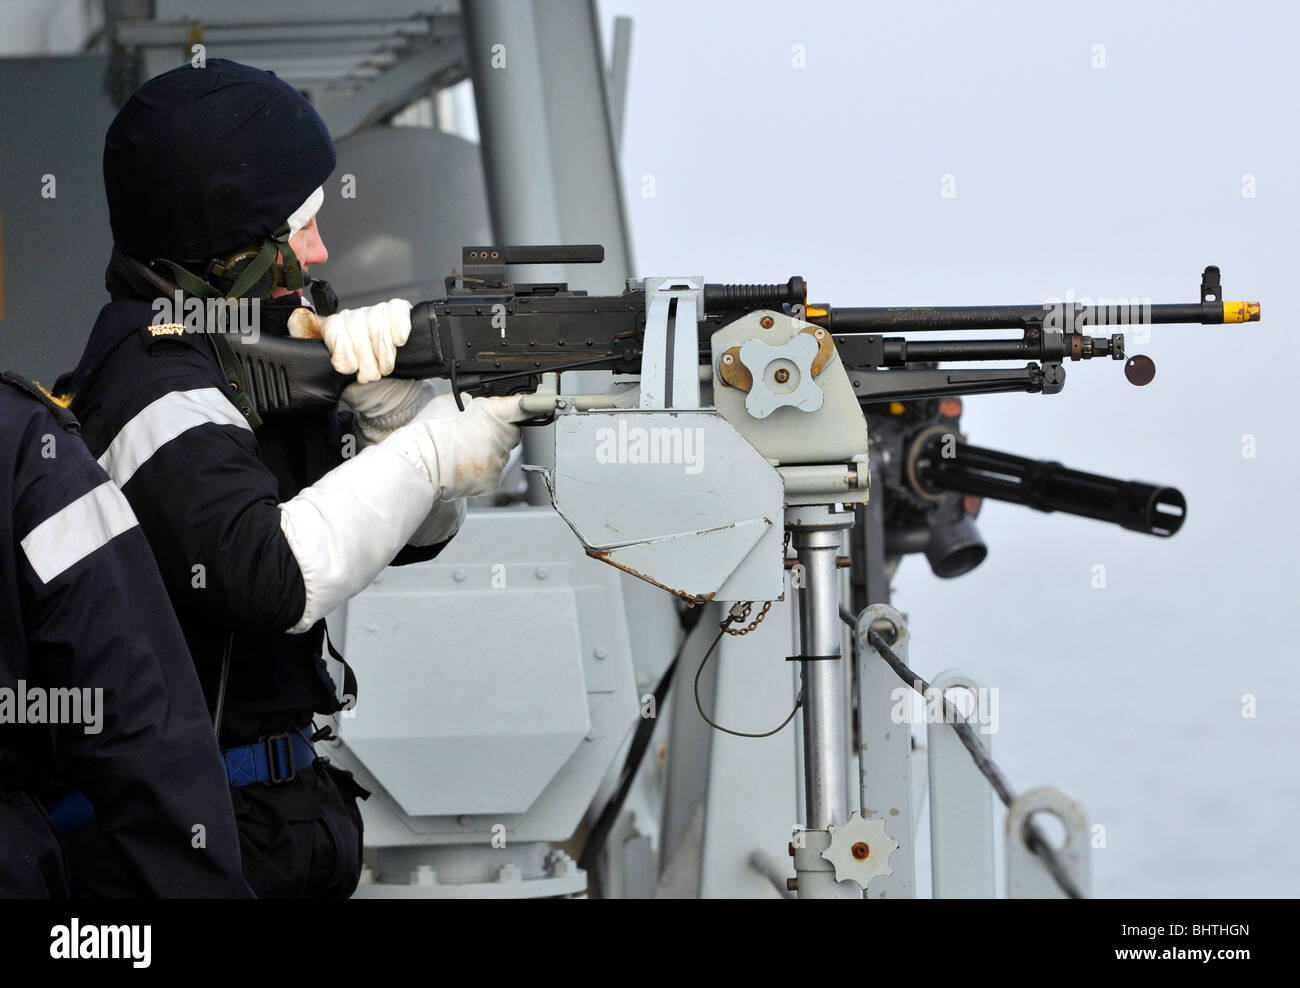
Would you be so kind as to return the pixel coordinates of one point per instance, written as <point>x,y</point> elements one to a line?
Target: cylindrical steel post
<point>825,747</point>
<point>816,533</point>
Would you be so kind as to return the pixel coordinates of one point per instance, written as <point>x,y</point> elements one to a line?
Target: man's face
<point>309,247</point>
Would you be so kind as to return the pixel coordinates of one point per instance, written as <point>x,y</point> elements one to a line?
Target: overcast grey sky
<point>1122,180</point>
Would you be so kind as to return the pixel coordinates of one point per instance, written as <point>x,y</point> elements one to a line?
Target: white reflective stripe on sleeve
<point>73,533</point>
<point>161,421</point>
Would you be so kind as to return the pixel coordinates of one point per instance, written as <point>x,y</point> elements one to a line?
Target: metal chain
<point>744,613</point>
<point>740,612</point>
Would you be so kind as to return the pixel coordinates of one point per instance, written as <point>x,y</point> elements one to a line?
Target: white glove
<point>360,341</point>
<point>385,405</point>
<point>461,455</point>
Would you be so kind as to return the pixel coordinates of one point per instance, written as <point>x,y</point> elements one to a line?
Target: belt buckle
<point>274,778</point>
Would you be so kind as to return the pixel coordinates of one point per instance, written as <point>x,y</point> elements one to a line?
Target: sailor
<point>98,695</point>
<point>263,526</point>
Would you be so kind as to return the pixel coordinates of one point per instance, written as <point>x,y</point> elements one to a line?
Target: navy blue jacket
<point>83,610</point>
<point>156,409</point>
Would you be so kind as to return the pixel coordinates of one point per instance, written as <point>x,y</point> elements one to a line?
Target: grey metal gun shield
<point>675,497</point>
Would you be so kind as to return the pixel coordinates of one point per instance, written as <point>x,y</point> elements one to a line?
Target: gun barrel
<point>1073,317</point>
<point>1049,486</point>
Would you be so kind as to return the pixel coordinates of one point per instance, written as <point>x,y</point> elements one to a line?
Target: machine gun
<point>747,435</point>
<point>489,336</point>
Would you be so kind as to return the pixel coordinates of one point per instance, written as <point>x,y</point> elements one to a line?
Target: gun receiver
<point>489,336</point>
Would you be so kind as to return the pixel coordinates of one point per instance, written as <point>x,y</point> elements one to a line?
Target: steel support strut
<point>816,533</point>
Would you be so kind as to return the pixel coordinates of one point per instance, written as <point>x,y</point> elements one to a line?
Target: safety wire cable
<point>1035,840</point>
<point>738,612</point>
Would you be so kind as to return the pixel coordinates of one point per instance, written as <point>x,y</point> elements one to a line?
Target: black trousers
<point>302,838</point>
<point>31,863</point>
<point>299,839</point>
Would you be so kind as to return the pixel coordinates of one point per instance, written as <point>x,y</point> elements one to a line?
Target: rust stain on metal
<point>690,598</point>
<point>861,850</point>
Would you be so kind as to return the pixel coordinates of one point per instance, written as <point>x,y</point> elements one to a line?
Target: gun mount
<point>751,431</point>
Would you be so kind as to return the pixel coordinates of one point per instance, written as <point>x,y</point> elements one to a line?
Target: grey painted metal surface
<point>784,376</point>
<point>505,65</point>
<point>48,306</point>
<point>1027,877</point>
<point>752,801</point>
<point>690,743</point>
<point>327,48</point>
<point>258,11</point>
<point>616,79</point>
<point>833,434</point>
<point>677,498</point>
<point>433,635</point>
<point>885,756</point>
<point>815,875</point>
<point>510,871</point>
<point>808,484</point>
<point>588,183</point>
<point>414,76</point>
<point>670,362</point>
<point>496,722</point>
<point>961,805</point>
